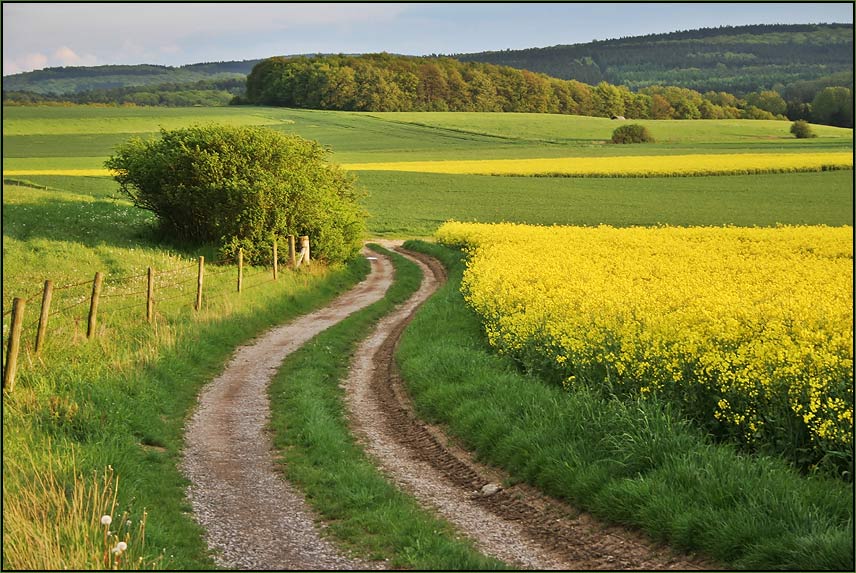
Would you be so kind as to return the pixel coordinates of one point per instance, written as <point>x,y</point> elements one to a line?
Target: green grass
<point>567,129</point>
<point>415,204</point>
<point>121,399</point>
<point>87,135</point>
<point>319,453</point>
<point>631,462</point>
<point>56,120</point>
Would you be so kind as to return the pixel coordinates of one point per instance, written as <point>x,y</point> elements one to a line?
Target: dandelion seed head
<point>106,520</point>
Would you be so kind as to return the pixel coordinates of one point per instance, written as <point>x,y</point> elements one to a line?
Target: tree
<point>609,100</point>
<point>240,187</point>
<point>661,108</point>
<point>768,101</point>
<point>833,106</point>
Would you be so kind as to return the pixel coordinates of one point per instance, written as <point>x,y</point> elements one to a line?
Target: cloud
<point>24,63</point>
<point>81,33</point>
<point>62,56</point>
<point>65,56</point>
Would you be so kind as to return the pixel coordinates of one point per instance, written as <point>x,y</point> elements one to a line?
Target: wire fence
<point>150,290</point>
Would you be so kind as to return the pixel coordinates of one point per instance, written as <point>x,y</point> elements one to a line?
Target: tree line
<point>386,82</point>
<point>171,94</point>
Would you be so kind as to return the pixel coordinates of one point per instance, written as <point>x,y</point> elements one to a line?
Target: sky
<point>42,35</point>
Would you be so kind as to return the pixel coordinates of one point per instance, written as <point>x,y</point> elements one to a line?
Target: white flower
<point>106,520</point>
<point>120,547</point>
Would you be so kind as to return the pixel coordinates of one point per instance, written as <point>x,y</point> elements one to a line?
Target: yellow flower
<point>760,317</point>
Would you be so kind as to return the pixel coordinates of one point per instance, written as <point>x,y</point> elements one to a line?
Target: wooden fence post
<point>93,304</point>
<point>14,343</point>
<point>43,317</point>
<point>292,252</point>
<point>240,269</point>
<point>304,246</point>
<point>275,261</point>
<point>150,295</point>
<point>198,304</point>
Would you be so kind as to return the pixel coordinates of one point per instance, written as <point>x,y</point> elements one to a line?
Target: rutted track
<point>518,525</point>
<point>253,518</point>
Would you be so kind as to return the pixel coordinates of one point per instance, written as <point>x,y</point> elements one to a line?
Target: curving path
<point>253,518</point>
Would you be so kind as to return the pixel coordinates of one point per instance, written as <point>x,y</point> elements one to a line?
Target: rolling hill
<point>737,60</point>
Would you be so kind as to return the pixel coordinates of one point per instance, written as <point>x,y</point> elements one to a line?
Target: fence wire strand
<point>223,267</point>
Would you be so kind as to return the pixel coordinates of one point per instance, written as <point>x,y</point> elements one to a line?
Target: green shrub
<point>802,129</point>
<point>632,133</point>
<point>239,187</point>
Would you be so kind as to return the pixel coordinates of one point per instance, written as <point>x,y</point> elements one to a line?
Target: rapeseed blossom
<point>750,329</point>
<point>628,166</point>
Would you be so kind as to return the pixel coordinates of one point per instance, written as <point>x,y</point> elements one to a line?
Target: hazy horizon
<point>38,36</point>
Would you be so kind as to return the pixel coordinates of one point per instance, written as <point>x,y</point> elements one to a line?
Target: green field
<point>405,204</point>
<point>356,137</point>
<point>116,401</point>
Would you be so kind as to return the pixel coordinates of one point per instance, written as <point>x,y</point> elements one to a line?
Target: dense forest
<point>384,82</point>
<point>737,60</point>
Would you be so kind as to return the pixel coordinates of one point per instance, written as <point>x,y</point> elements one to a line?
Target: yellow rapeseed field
<point>622,166</point>
<point>628,166</point>
<point>751,329</point>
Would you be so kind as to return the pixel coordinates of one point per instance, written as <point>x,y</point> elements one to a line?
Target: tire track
<point>519,524</point>
<point>253,518</point>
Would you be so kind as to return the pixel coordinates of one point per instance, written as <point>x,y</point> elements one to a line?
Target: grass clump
<point>802,129</point>
<point>631,462</point>
<point>64,520</point>
<point>319,454</point>
<point>632,133</point>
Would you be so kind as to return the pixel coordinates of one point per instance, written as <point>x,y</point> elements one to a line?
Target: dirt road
<point>252,517</point>
<point>255,520</point>
<point>518,525</point>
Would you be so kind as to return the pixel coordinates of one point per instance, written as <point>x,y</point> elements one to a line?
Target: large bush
<point>802,129</point>
<point>632,133</point>
<point>240,187</point>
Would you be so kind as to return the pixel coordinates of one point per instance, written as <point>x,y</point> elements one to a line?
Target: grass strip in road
<point>628,462</point>
<point>363,510</point>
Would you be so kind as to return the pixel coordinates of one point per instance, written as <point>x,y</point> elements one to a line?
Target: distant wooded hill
<point>76,79</point>
<point>793,71</point>
<point>738,60</point>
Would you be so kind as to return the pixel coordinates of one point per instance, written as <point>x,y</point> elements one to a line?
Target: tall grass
<point>121,398</point>
<point>632,462</point>
<point>66,520</point>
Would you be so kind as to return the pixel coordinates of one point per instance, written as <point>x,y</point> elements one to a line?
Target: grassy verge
<point>120,399</point>
<point>628,462</point>
<point>133,421</point>
<point>319,454</point>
